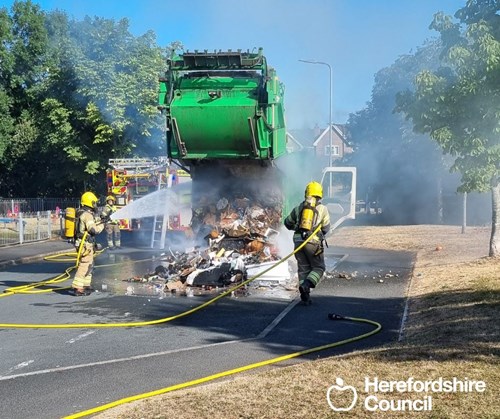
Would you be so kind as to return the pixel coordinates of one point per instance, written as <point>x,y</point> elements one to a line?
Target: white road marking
<point>112,361</point>
<point>261,335</point>
<point>268,329</point>
<point>275,322</point>
<point>80,337</point>
<point>19,366</point>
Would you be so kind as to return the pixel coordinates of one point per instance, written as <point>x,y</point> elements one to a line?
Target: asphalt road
<point>50,373</point>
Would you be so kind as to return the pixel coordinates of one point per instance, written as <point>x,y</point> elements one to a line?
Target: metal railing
<point>11,207</point>
<point>29,227</point>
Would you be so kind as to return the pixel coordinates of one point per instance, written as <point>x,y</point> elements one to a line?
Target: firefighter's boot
<point>304,290</point>
<point>78,292</point>
<point>88,290</point>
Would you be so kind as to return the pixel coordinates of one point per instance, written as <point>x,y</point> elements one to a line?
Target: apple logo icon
<point>340,387</point>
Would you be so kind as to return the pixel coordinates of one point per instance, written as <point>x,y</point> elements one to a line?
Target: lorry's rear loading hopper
<point>223,105</point>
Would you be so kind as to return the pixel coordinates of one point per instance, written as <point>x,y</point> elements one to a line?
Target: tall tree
<point>119,75</point>
<point>72,95</point>
<point>6,121</point>
<point>103,101</point>
<point>459,104</point>
<point>23,64</point>
<point>28,49</point>
<point>396,167</point>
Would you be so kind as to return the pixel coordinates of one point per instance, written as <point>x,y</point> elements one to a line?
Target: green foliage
<point>119,75</point>
<point>23,140</point>
<point>6,58</point>
<point>55,120</point>
<point>6,122</point>
<point>459,104</point>
<point>28,49</point>
<point>174,48</point>
<point>72,95</point>
<point>103,131</point>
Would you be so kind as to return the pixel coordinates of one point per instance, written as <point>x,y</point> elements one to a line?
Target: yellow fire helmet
<point>89,200</point>
<point>314,189</point>
<point>110,198</point>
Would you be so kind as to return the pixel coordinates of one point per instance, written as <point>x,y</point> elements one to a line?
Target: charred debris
<point>232,239</point>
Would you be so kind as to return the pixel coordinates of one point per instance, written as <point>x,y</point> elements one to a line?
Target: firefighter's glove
<point>105,218</point>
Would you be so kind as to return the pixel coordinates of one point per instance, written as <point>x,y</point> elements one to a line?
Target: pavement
<point>33,251</point>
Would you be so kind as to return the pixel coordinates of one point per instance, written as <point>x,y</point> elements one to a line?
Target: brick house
<point>340,146</point>
<point>317,141</point>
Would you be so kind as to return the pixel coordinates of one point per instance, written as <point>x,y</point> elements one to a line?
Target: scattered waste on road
<point>234,240</point>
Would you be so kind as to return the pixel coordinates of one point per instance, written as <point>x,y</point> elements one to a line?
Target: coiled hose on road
<point>63,257</point>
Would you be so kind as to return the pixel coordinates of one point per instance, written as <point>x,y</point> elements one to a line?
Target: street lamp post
<point>330,126</point>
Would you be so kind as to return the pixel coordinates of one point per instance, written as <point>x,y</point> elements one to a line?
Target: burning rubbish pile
<point>234,239</point>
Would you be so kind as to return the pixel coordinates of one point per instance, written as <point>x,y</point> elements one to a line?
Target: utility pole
<point>330,124</point>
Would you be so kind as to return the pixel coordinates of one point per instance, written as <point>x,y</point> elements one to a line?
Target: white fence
<point>29,227</point>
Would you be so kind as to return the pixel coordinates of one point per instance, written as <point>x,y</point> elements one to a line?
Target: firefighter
<point>86,222</point>
<point>303,220</point>
<point>112,226</point>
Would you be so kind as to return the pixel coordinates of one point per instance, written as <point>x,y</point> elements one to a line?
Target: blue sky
<point>356,37</point>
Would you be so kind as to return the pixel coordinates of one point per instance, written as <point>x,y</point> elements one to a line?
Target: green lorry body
<point>223,105</point>
<point>225,114</point>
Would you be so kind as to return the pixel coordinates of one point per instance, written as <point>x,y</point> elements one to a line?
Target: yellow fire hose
<point>63,257</point>
<point>151,322</point>
<point>191,383</point>
<point>28,289</point>
<point>248,367</point>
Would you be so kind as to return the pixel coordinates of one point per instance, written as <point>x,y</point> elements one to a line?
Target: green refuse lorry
<point>225,125</point>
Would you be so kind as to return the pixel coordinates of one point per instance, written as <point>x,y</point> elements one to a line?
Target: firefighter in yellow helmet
<point>303,220</point>
<point>86,222</point>
<point>112,226</point>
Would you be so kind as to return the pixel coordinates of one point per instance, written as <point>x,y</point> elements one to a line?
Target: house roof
<point>305,136</point>
<point>336,129</point>
<point>310,137</point>
<point>295,141</point>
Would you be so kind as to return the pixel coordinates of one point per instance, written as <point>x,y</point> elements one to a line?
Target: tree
<point>72,95</point>
<point>6,121</point>
<point>396,167</point>
<point>459,103</point>
<point>23,71</point>
<point>105,86</point>
<point>119,75</point>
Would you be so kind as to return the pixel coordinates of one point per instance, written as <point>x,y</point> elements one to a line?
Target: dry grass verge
<point>452,331</point>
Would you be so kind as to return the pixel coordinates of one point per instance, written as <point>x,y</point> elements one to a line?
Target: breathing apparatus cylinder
<point>307,215</point>
<point>69,223</point>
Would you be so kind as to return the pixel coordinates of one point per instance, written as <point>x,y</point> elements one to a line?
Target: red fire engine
<point>131,179</point>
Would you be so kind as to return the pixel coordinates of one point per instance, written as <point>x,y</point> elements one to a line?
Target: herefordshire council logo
<point>338,388</point>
